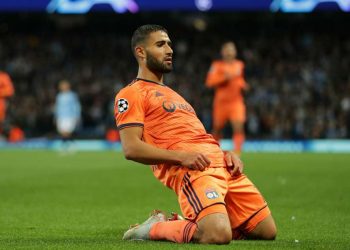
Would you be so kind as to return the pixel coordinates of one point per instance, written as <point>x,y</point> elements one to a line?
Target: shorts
<point>201,194</point>
<point>66,125</point>
<point>224,112</point>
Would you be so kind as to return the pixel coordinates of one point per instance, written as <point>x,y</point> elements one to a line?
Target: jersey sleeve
<point>216,76</point>
<point>129,109</point>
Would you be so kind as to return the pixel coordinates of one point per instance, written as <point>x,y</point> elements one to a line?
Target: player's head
<point>64,85</point>
<point>151,46</point>
<point>228,51</point>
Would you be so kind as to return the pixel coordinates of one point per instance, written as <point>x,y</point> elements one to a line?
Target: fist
<point>195,161</point>
<point>234,164</point>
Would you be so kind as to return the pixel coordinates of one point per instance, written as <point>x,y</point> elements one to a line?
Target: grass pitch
<point>87,200</point>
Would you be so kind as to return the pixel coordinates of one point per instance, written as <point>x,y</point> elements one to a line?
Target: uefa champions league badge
<point>211,193</point>
<point>123,105</point>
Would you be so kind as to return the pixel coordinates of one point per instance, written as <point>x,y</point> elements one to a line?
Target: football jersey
<point>168,121</point>
<point>231,90</point>
<point>6,90</point>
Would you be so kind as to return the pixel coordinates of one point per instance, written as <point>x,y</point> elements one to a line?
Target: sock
<point>179,231</point>
<point>238,140</point>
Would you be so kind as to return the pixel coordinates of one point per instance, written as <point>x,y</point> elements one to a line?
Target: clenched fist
<point>195,161</point>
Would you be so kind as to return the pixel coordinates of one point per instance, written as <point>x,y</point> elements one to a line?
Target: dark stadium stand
<point>297,65</point>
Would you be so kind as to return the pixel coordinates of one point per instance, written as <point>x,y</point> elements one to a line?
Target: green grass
<point>87,200</point>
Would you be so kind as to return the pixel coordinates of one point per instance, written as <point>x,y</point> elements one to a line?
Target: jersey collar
<point>145,80</point>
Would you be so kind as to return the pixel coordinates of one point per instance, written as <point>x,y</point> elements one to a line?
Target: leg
<point>201,198</point>
<point>220,117</point>
<point>249,214</point>
<point>202,202</point>
<point>265,230</point>
<point>237,119</point>
<point>213,229</point>
<point>238,136</point>
<point>65,128</point>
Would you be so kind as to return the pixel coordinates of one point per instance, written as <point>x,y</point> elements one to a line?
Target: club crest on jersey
<point>123,105</point>
<point>211,193</point>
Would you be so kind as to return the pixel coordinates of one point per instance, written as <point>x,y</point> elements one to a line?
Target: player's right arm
<point>130,109</point>
<point>137,150</point>
<point>6,86</point>
<point>216,76</point>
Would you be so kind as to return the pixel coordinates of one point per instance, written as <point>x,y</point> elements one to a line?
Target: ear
<point>140,52</point>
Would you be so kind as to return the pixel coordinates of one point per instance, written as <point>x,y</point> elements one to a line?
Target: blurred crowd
<point>299,75</point>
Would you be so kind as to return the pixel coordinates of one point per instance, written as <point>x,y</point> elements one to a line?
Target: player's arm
<point>245,85</point>
<point>137,150</point>
<point>216,76</point>
<point>6,87</point>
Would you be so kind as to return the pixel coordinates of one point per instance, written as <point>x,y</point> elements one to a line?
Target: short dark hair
<point>142,32</point>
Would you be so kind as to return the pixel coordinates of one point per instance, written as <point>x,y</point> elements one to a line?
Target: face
<point>158,54</point>
<point>64,86</point>
<point>228,51</point>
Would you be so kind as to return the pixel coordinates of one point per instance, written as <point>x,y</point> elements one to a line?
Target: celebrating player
<point>158,127</point>
<point>226,76</point>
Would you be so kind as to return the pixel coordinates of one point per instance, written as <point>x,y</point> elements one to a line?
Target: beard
<point>155,65</point>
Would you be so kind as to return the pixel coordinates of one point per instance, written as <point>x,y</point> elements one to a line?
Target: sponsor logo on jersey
<point>170,107</point>
<point>159,94</point>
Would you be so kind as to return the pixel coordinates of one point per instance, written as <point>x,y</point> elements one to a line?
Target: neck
<point>229,59</point>
<point>147,74</point>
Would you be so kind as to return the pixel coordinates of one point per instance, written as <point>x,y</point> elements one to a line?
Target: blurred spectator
<point>67,111</point>
<point>6,91</point>
<point>16,134</point>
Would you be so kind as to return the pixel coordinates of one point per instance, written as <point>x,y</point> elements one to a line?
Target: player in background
<point>6,91</point>
<point>226,77</point>
<point>158,127</point>
<point>67,112</point>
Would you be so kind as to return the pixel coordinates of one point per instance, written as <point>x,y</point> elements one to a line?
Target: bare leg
<point>213,229</point>
<point>265,230</point>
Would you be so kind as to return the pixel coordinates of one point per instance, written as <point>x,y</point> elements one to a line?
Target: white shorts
<point>66,125</point>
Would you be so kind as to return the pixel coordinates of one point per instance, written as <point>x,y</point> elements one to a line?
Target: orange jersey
<point>168,121</point>
<point>228,91</point>
<point>6,90</point>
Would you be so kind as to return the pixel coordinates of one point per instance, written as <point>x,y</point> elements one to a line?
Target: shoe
<point>175,216</point>
<point>141,232</point>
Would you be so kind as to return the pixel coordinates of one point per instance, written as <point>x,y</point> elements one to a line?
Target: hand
<point>234,164</point>
<point>195,161</point>
<point>228,76</point>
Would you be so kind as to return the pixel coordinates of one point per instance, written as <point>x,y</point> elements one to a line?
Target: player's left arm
<point>234,163</point>
<point>245,84</point>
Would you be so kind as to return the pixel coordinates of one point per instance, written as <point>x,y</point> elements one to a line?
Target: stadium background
<point>297,64</point>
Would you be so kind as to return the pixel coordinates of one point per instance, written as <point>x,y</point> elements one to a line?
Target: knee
<point>217,234</point>
<point>270,231</point>
<point>269,234</point>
